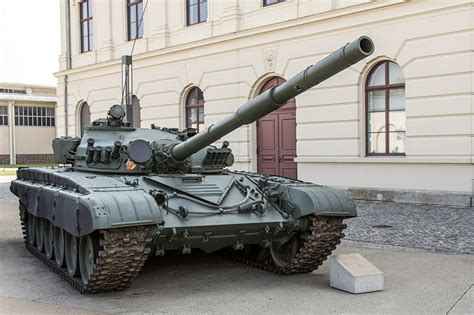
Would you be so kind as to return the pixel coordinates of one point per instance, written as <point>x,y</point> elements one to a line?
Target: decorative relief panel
<point>270,57</point>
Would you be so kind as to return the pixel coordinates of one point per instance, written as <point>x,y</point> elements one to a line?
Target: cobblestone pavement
<point>430,227</point>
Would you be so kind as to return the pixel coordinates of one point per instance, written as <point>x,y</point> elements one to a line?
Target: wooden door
<point>267,145</point>
<point>287,144</point>
<point>276,139</point>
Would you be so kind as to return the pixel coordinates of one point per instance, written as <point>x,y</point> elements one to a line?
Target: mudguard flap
<point>323,201</point>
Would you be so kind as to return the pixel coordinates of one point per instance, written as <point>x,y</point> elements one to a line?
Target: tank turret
<point>111,145</point>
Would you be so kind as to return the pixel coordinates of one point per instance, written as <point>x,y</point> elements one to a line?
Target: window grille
<point>3,116</point>
<point>195,109</point>
<point>270,2</point>
<point>34,116</point>
<point>86,25</point>
<point>196,11</point>
<point>135,19</point>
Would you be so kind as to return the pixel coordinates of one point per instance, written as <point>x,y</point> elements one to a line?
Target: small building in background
<point>27,123</point>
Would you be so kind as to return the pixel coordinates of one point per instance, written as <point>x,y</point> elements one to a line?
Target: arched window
<point>385,108</point>
<point>85,117</point>
<point>133,112</point>
<point>195,109</point>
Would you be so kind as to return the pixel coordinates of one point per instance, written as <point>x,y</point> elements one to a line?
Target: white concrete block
<point>355,274</point>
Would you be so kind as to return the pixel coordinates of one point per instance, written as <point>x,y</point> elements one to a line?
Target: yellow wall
<point>34,140</point>
<point>4,140</point>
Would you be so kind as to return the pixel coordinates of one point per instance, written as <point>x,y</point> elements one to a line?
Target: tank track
<point>326,233</point>
<point>121,256</point>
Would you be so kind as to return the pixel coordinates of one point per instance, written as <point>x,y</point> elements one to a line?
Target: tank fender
<point>60,206</point>
<point>303,200</point>
<point>122,208</point>
<point>81,214</point>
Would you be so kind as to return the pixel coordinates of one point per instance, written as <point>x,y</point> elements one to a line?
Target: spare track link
<point>325,234</point>
<point>122,254</point>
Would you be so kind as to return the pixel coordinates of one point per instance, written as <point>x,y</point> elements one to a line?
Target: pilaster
<point>159,32</point>
<point>105,44</point>
<point>231,18</point>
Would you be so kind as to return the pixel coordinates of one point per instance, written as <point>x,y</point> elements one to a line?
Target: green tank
<point>126,193</point>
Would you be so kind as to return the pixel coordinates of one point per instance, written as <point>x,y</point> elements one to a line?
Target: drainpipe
<point>11,129</point>
<point>65,107</point>
<point>68,62</point>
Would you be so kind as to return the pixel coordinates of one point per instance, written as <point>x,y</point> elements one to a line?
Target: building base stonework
<point>4,159</point>
<point>34,158</point>
<point>463,199</point>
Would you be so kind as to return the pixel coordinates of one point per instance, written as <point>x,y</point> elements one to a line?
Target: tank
<point>126,193</point>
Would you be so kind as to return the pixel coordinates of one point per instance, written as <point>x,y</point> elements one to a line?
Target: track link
<point>325,235</point>
<point>122,254</point>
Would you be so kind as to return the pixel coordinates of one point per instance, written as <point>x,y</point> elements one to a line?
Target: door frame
<point>254,92</point>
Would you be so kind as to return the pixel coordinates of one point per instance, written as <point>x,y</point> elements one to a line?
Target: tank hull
<point>82,202</point>
<point>216,214</point>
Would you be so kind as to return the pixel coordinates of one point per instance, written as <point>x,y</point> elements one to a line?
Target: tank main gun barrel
<point>277,96</point>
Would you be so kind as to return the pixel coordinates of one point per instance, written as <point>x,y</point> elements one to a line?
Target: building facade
<point>27,123</point>
<point>397,123</point>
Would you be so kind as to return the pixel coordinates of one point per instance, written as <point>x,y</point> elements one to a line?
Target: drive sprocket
<point>306,253</point>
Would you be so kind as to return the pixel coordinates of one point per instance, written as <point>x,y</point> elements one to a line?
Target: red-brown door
<point>276,139</point>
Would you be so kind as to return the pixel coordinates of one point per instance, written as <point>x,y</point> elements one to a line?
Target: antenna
<point>127,70</point>
<point>127,84</point>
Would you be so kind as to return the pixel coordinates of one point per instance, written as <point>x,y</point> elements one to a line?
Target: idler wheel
<point>31,229</point>
<point>48,239</point>
<point>58,245</point>
<point>71,249</point>
<point>284,254</point>
<point>39,229</point>
<point>88,251</point>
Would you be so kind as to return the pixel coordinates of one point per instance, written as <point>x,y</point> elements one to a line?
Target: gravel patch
<point>429,227</point>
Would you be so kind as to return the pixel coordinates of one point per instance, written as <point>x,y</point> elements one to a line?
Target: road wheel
<point>58,245</point>
<point>88,249</point>
<point>71,249</point>
<point>284,254</point>
<point>31,229</point>
<point>39,229</point>
<point>48,239</point>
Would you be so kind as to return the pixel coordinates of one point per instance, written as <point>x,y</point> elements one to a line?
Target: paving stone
<point>5,194</point>
<point>430,227</point>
